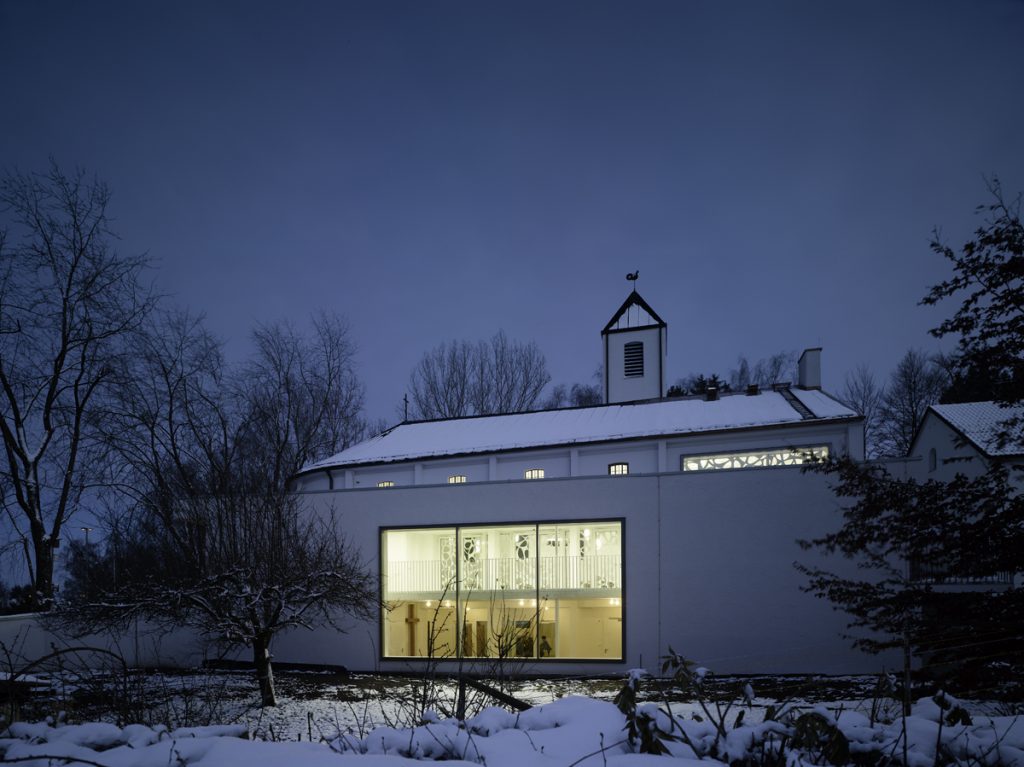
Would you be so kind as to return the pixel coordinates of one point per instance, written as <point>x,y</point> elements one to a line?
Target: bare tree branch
<point>67,300</point>
<point>459,378</point>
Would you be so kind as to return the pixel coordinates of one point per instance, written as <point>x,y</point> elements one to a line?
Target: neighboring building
<point>962,438</point>
<point>590,539</point>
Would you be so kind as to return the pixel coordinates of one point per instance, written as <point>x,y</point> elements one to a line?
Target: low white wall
<point>26,638</point>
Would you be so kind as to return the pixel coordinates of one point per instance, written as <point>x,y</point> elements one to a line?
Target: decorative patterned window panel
<point>758,459</point>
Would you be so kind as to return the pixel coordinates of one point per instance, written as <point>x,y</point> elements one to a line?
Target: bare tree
<point>578,395</point>
<point>915,385</point>
<point>776,368</point>
<point>214,539</point>
<point>864,395</point>
<point>305,394</point>
<point>460,378</point>
<point>67,300</point>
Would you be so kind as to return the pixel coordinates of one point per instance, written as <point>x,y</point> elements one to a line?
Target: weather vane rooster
<point>633,277</point>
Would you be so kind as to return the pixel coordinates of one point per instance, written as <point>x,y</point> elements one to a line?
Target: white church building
<point>590,539</point>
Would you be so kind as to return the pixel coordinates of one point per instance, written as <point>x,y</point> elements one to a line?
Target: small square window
<point>618,469</point>
<point>386,483</point>
<point>533,474</point>
<point>457,479</point>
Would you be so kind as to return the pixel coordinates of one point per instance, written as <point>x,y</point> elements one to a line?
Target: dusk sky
<point>442,170</point>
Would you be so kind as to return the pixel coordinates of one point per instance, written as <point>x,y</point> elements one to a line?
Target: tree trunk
<point>42,592</point>
<point>906,675</point>
<point>264,670</point>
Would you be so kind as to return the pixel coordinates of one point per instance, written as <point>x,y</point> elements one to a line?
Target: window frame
<point>537,472</point>
<point>624,464</point>
<point>385,483</point>
<point>537,524</point>
<point>683,457</point>
<point>457,479</point>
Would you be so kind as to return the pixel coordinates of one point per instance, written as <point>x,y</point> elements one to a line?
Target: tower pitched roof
<point>652,320</point>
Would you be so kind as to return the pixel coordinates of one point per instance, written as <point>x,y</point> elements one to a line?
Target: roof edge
<point>817,421</point>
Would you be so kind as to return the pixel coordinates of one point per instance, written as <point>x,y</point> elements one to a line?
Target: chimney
<point>809,376</point>
<point>712,393</point>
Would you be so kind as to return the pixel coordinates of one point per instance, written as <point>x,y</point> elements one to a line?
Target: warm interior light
<point>755,459</point>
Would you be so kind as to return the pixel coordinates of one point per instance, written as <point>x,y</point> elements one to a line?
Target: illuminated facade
<point>588,540</point>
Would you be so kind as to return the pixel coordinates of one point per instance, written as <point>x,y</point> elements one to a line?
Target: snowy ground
<point>321,705</point>
<point>569,732</point>
<point>329,719</point>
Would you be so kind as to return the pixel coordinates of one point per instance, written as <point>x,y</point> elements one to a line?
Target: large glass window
<point>510,591</point>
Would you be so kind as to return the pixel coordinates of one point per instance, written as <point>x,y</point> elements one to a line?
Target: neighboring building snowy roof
<point>605,423</point>
<point>980,423</point>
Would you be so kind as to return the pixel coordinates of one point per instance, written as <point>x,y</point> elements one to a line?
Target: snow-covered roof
<point>980,423</point>
<point>604,423</point>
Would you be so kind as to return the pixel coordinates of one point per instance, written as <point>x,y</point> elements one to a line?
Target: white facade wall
<point>438,472</point>
<point>647,386</point>
<point>399,473</point>
<point>31,636</point>
<point>952,457</point>
<point>555,463</point>
<point>707,556</point>
<point>642,458</point>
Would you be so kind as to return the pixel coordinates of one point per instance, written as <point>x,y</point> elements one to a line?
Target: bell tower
<point>634,341</point>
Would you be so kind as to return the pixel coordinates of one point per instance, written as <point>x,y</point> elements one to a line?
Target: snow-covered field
<point>325,719</point>
<point>568,732</point>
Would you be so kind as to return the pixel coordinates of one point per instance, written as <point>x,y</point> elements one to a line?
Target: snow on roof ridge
<point>980,422</point>
<point>585,424</point>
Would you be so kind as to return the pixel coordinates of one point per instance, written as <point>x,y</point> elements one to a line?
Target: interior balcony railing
<point>598,572</point>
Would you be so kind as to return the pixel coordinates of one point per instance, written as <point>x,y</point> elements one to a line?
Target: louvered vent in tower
<point>634,359</point>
